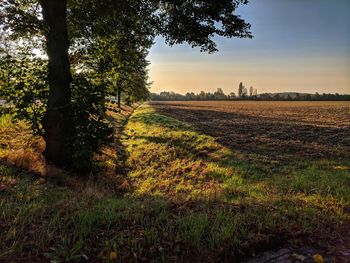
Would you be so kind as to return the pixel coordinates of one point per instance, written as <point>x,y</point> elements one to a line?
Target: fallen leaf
<point>113,255</point>
<point>318,258</point>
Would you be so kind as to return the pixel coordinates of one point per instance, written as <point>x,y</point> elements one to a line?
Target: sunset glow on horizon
<point>300,46</point>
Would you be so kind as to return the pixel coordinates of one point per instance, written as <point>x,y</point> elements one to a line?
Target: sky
<point>297,45</point>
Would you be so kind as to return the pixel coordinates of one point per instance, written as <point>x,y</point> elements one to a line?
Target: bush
<point>92,131</point>
<point>24,85</point>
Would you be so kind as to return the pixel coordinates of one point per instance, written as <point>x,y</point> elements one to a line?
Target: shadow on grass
<point>42,222</point>
<point>268,141</point>
<point>180,143</point>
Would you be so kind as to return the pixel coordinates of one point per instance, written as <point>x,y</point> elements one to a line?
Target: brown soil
<point>271,133</point>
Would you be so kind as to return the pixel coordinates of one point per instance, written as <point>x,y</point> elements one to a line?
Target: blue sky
<point>298,45</point>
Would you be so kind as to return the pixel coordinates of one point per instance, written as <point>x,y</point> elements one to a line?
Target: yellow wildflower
<point>112,255</point>
<point>318,258</point>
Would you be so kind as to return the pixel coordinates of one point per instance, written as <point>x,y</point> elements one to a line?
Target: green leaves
<point>21,17</point>
<point>197,22</point>
<point>92,131</point>
<point>24,84</point>
<point>108,55</point>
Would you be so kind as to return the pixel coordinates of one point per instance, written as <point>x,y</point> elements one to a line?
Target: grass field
<point>200,182</point>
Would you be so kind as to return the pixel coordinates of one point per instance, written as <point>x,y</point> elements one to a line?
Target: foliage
<point>186,21</point>
<point>92,131</point>
<point>24,85</point>
<point>22,18</point>
<point>25,88</point>
<point>109,38</point>
<point>217,95</point>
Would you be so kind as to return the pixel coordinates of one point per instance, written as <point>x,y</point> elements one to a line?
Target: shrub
<point>92,131</point>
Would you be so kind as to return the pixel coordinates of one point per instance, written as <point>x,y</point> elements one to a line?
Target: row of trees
<point>243,91</point>
<point>220,95</point>
<point>304,97</point>
<point>90,50</point>
<point>217,95</point>
<point>63,94</point>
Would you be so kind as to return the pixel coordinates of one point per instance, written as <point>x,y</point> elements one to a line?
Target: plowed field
<point>271,133</point>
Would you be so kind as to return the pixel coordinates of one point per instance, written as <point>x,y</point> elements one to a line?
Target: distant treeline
<point>220,95</point>
<point>303,97</point>
<point>217,95</point>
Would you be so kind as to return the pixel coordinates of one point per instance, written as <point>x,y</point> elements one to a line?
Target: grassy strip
<point>192,200</point>
<point>169,158</point>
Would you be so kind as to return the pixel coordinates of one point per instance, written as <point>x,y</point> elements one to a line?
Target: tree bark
<point>57,122</point>
<point>119,94</point>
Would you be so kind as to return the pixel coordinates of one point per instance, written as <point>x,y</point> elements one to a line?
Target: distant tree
<point>190,96</point>
<point>201,95</point>
<point>251,91</point>
<point>240,89</point>
<point>219,94</point>
<point>265,96</point>
<point>245,92</point>
<point>317,96</point>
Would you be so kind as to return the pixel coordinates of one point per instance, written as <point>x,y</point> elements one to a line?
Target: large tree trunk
<point>58,121</point>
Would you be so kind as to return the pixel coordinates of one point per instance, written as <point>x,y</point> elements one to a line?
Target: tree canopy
<point>95,49</point>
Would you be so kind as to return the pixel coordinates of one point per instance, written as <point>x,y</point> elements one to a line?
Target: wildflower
<point>113,255</point>
<point>318,258</point>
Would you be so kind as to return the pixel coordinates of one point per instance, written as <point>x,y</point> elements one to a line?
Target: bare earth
<point>273,133</point>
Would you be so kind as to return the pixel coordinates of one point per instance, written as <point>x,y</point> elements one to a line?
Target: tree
<point>277,96</point>
<point>245,92</point>
<point>23,19</point>
<point>232,95</point>
<point>194,22</point>
<point>219,94</point>
<point>202,95</point>
<point>317,96</point>
<point>57,121</point>
<point>240,89</point>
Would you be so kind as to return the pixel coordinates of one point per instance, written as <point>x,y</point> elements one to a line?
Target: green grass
<point>6,121</point>
<point>190,199</point>
<point>168,158</point>
<point>171,160</point>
